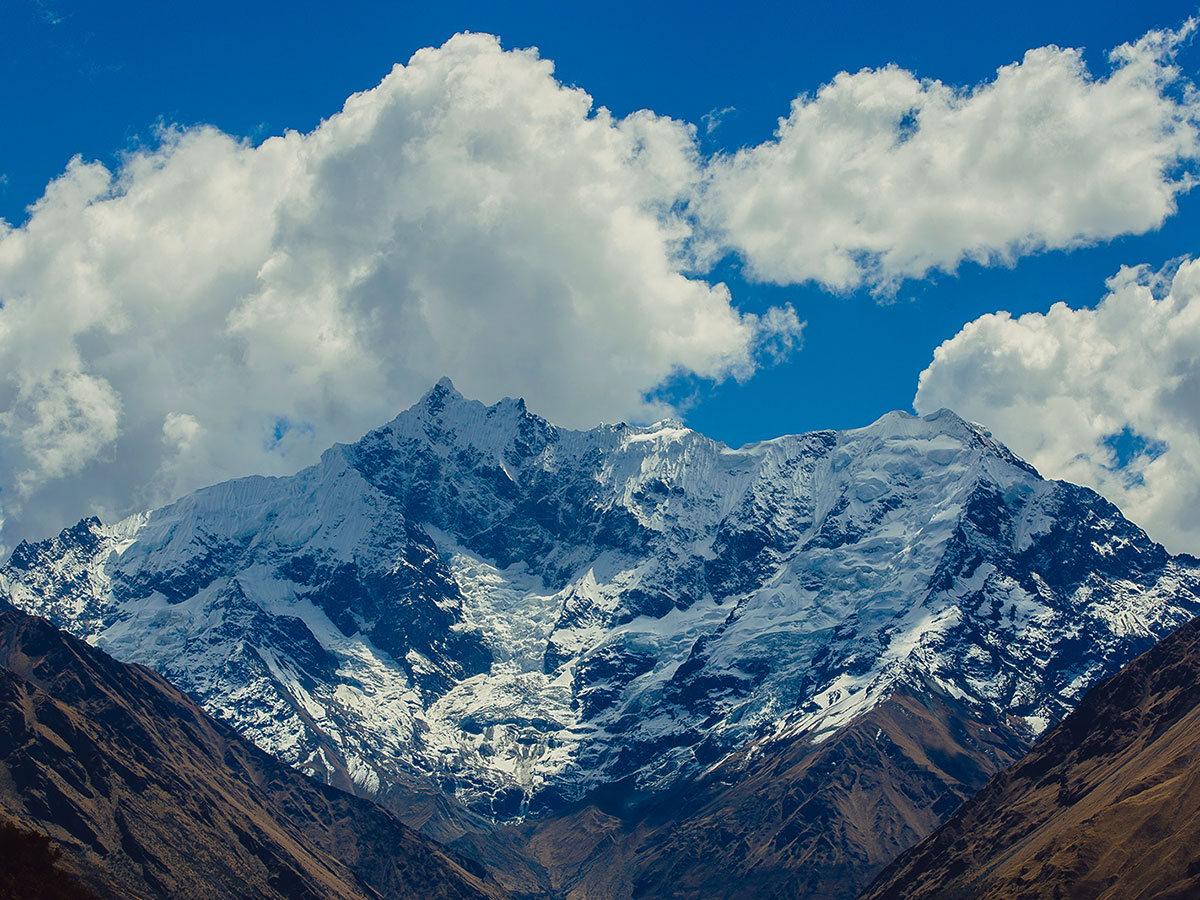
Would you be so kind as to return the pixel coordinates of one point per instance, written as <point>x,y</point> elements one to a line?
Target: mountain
<point>784,818</point>
<point>1106,805</point>
<point>149,797</point>
<point>558,626</point>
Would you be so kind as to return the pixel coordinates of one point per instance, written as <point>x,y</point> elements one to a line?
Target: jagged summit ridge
<point>523,613</point>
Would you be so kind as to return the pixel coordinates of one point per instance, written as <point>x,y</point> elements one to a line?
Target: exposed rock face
<point>151,798</point>
<point>786,818</point>
<point>1106,805</point>
<point>528,617</point>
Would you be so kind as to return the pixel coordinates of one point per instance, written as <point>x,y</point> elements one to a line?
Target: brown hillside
<point>149,797</point>
<point>1105,807</point>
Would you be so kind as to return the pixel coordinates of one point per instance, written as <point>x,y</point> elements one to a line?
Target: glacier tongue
<point>523,613</point>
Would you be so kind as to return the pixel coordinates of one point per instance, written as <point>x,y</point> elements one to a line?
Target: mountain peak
<point>902,422</point>
<point>436,397</point>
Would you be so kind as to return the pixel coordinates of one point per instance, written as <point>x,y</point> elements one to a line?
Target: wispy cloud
<point>47,14</point>
<point>714,117</point>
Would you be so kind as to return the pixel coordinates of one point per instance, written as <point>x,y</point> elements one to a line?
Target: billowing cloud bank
<point>215,308</point>
<point>881,176</point>
<point>218,308</point>
<point>1107,397</point>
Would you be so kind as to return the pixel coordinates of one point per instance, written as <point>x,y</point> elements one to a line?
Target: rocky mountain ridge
<point>523,615</point>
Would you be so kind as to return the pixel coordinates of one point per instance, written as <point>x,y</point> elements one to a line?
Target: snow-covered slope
<point>523,613</point>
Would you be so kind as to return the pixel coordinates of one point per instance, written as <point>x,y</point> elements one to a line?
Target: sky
<point>237,233</point>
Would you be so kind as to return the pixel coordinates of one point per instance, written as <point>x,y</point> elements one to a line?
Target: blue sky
<point>100,80</point>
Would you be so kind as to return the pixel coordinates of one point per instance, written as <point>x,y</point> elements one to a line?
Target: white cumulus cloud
<point>1106,397</point>
<point>881,176</point>
<point>214,308</point>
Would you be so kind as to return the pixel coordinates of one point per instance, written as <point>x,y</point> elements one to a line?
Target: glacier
<point>521,614</point>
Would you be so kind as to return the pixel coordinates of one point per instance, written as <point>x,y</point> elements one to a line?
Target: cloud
<point>881,176</point>
<point>714,117</point>
<point>46,14</point>
<point>215,308</point>
<point>1107,397</point>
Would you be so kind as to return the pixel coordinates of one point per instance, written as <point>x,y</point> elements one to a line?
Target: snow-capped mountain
<point>524,613</point>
